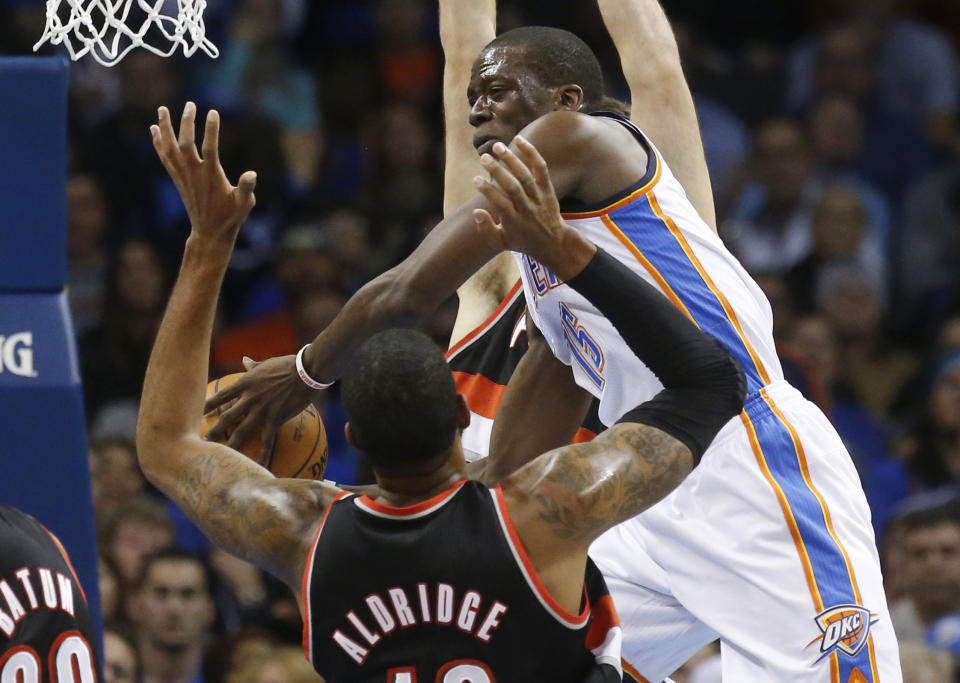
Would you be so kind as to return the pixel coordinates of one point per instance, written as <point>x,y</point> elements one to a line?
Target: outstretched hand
<point>528,210</point>
<point>216,208</point>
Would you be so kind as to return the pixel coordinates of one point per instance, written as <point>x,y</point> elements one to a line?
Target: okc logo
<point>844,628</point>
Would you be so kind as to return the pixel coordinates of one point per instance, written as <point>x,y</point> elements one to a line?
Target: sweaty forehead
<point>498,61</point>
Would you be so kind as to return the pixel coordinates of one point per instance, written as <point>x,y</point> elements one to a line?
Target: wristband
<point>307,379</point>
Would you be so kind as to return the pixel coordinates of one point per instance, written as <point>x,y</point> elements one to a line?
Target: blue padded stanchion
<point>44,468</point>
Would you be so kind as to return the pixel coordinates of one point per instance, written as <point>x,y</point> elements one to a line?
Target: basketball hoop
<point>100,28</point>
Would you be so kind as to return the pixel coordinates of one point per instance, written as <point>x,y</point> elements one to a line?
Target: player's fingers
<point>502,176</point>
<point>245,187</point>
<point>168,140</point>
<point>227,422</point>
<point>211,137</point>
<point>224,396</point>
<point>517,168</point>
<point>489,229</point>
<point>266,451</point>
<point>242,433</point>
<point>494,194</point>
<point>249,363</point>
<point>186,140</point>
<point>530,156</point>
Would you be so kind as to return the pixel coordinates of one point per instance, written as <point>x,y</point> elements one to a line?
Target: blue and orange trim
<point>654,239</point>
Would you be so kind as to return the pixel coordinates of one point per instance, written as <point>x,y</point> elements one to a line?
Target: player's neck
<point>402,490</point>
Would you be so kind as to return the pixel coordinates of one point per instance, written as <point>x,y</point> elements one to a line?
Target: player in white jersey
<point>767,544</point>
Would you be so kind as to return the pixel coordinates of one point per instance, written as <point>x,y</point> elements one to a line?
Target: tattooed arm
<point>566,498</point>
<point>239,505</point>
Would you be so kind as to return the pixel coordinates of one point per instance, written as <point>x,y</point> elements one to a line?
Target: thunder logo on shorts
<point>843,628</point>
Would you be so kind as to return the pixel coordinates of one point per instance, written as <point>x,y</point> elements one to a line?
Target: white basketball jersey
<point>654,230</point>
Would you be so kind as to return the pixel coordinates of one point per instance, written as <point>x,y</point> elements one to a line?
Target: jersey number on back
<point>71,661</point>
<point>586,350</point>
<point>459,671</point>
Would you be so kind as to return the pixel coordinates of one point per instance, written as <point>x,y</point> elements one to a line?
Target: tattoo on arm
<point>584,490</point>
<point>248,512</point>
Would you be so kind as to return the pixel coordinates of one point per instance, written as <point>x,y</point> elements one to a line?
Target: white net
<point>108,30</point>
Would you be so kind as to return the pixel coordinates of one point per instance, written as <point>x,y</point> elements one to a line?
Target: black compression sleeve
<point>704,386</point>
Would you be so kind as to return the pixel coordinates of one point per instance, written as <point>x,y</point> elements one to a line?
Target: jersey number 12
<point>459,671</point>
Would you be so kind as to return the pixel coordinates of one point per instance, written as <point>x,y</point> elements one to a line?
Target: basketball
<point>301,448</point>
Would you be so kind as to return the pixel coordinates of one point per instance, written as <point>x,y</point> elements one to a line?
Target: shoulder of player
<point>563,136</point>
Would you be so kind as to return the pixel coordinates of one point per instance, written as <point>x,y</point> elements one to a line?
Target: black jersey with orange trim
<point>46,632</point>
<point>444,591</point>
<point>482,364</point>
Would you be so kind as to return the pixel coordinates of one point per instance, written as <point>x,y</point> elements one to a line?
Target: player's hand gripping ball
<point>301,447</point>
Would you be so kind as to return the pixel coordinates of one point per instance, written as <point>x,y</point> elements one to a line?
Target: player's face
<point>175,608</point>
<point>504,97</point>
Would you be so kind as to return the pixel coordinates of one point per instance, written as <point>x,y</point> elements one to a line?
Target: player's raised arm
<point>239,505</point>
<point>466,26</point>
<point>661,103</point>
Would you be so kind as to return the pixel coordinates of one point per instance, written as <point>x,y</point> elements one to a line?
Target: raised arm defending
<point>466,26</point>
<point>239,505</point>
<point>661,103</point>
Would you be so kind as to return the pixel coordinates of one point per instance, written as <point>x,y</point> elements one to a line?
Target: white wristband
<point>307,379</point>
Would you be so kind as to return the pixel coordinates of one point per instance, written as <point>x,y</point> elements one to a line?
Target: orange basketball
<point>301,447</point>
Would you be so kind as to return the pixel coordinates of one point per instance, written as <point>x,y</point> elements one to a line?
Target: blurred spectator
<point>120,661</point>
<point>230,651</point>
<point>405,179</point>
<point>844,62</point>
<point>120,153</point>
<point>172,610</point>
<point>305,265</point>
<point>109,590</point>
<point>929,247</point>
<point>410,65</point>
<point>239,585</point>
<point>348,235</point>
<point>256,69</point>
<point>86,261</point>
<point>837,140</point>
<point>140,527</point>
<point>853,301</point>
<point>920,664</point>
<point>841,242</point>
<point>113,355</point>
<point>932,447</point>
<point>813,344</point>
<point>115,477</point>
<point>930,555</point>
<point>915,66</point>
<point>282,665</point>
<point>769,229</point>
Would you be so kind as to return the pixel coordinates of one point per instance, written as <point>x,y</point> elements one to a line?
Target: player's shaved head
<point>557,58</point>
<point>400,399</point>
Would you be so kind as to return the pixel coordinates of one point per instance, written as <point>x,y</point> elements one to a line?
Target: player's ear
<point>463,412</point>
<point>569,97</point>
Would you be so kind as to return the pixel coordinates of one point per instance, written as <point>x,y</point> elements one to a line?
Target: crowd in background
<point>832,133</point>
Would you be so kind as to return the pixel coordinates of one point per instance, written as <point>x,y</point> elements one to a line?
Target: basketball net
<point>100,28</point>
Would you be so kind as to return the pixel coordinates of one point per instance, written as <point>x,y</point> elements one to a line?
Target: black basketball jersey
<point>444,591</point>
<point>46,633</point>
<point>482,363</point>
